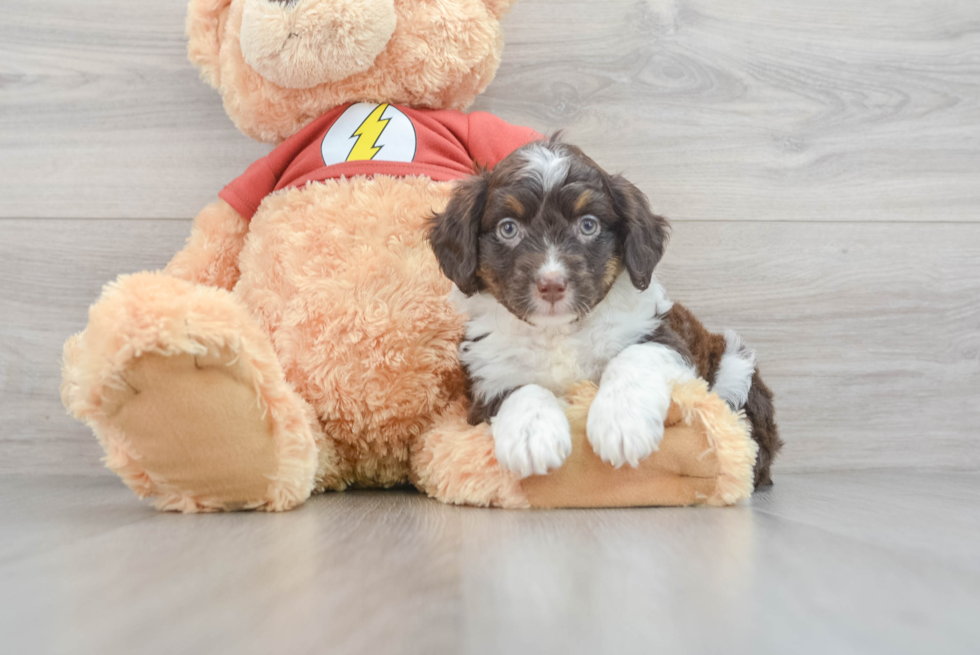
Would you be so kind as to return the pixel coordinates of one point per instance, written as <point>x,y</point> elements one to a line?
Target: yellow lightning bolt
<point>367,134</point>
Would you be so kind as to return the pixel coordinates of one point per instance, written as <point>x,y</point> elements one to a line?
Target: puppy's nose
<point>552,287</point>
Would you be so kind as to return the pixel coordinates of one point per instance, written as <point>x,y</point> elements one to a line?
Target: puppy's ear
<point>643,233</point>
<point>455,232</point>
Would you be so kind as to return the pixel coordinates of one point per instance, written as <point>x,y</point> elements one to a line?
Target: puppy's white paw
<point>624,425</point>
<point>531,432</point>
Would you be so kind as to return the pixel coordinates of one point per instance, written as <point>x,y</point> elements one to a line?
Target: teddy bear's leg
<point>456,463</point>
<point>706,457</point>
<point>189,401</point>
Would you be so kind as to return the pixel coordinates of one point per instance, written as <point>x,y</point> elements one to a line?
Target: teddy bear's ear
<point>499,7</point>
<point>204,28</point>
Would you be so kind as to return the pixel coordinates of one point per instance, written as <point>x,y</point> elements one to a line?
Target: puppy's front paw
<point>624,427</point>
<point>531,432</point>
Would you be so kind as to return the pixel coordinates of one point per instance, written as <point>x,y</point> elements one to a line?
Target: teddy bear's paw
<point>624,426</point>
<point>197,429</point>
<point>195,426</point>
<point>531,432</point>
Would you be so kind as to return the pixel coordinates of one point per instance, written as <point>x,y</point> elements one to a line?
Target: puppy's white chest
<point>503,353</point>
<point>505,360</point>
<point>563,360</point>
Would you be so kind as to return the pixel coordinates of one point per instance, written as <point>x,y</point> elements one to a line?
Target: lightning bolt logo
<point>367,134</point>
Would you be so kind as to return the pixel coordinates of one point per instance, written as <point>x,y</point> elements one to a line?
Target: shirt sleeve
<point>490,139</point>
<point>247,192</point>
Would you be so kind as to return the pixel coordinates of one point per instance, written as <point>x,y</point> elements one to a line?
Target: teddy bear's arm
<point>211,254</point>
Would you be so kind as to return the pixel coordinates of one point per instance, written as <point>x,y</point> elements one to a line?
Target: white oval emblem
<point>367,131</point>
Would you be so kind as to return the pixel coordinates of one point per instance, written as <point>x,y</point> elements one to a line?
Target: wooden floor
<point>821,163</point>
<point>847,562</point>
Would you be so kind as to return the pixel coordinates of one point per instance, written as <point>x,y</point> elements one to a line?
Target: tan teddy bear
<point>303,341</point>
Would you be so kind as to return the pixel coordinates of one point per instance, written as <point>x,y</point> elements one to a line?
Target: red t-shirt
<point>373,139</point>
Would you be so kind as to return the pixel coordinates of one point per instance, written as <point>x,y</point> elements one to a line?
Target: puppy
<point>553,261</point>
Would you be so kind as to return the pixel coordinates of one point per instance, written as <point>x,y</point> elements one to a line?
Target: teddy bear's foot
<point>198,428</point>
<point>189,401</point>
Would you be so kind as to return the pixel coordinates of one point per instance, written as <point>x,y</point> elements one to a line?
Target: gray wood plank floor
<point>821,162</point>
<point>846,562</point>
<point>854,323</point>
<point>752,110</point>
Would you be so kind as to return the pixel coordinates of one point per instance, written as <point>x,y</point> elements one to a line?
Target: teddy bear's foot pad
<point>197,428</point>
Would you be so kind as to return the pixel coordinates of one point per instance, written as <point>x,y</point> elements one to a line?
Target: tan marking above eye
<point>513,204</point>
<point>582,200</point>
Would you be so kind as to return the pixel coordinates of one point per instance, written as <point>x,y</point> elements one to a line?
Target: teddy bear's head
<point>279,64</point>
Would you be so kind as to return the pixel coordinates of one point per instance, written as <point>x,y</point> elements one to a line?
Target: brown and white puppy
<point>553,261</point>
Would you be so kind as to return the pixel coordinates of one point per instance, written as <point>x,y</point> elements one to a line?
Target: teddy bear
<point>303,341</point>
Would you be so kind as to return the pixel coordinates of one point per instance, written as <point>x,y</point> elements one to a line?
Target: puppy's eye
<point>588,226</point>
<point>508,229</point>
